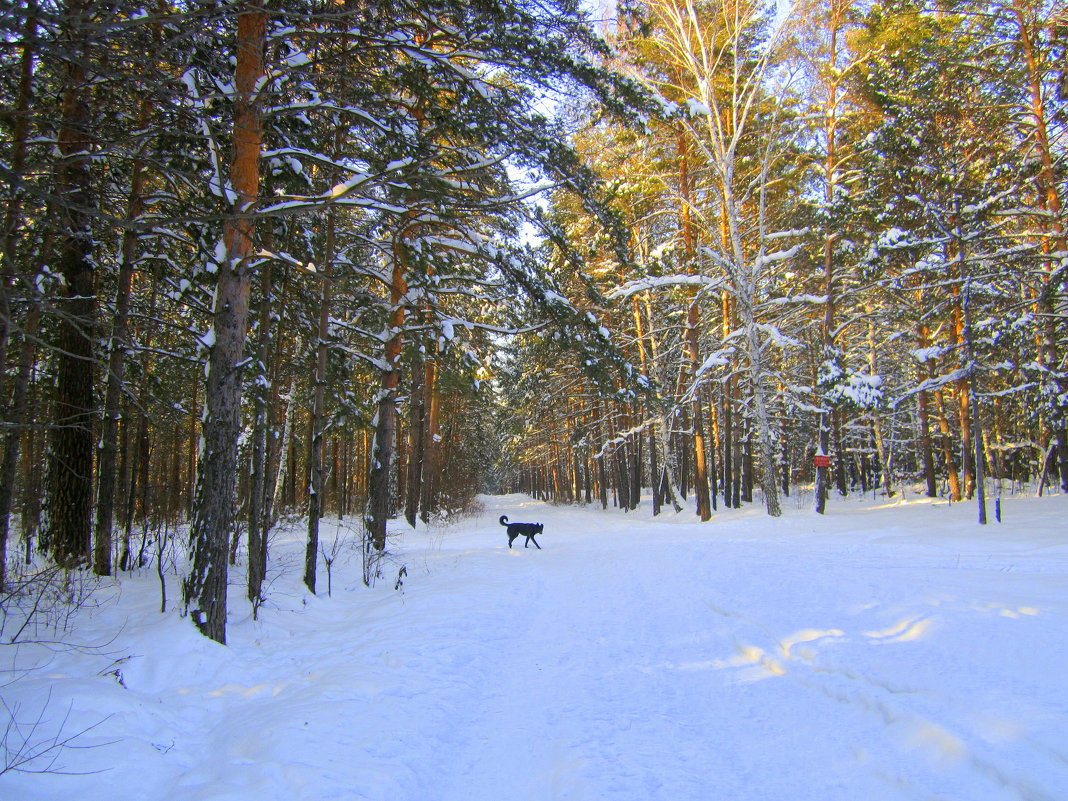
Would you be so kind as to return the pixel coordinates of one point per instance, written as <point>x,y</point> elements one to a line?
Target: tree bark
<point>13,438</point>
<point>69,473</point>
<point>876,422</point>
<point>204,590</point>
<point>19,137</point>
<point>416,438</point>
<point>704,504</point>
<point>728,392</point>
<point>769,478</point>
<point>258,516</point>
<point>925,425</point>
<point>378,489</point>
<point>19,146</point>
<point>318,410</point>
<point>431,439</point>
<point>1049,200</point>
<point>106,468</point>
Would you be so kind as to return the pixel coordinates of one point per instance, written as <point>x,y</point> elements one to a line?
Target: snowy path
<point>891,654</point>
<point>571,706</point>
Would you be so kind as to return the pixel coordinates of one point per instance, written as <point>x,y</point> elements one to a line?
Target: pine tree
<point>204,589</point>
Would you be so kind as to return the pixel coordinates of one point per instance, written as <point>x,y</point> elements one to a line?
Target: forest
<point>272,259</point>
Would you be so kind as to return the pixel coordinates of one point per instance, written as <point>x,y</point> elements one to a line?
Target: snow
<point>629,288</point>
<point>696,108</point>
<point>778,255</point>
<point>888,650</point>
<point>667,107</point>
<point>802,297</point>
<point>923,355</point>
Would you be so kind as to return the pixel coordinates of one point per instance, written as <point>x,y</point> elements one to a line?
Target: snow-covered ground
<point>895,651</point>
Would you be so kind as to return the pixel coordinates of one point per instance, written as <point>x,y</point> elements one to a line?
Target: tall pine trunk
<point>258,514</point>
<point>431,440</point>
<point>19,147</point>
<point>69,471</point>
<point>379,495</point>
<point>204,590</point>
<point>1049,202</point>
<point>107,474</point>
<point>318,411</point>
<point>926,448</point>
<point>20,129</point>
<point>13,438</point>
<point>416,439</point>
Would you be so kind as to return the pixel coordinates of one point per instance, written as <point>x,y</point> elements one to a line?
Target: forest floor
<point>888,650</point>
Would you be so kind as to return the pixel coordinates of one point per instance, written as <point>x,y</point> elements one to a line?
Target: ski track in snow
<point>875,654</point>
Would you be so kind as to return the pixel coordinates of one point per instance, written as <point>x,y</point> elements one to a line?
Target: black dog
<point>527,530</point>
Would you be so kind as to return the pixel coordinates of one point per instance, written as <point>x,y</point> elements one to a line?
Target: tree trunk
<point>316,444</point>
<point>106,469</point>
<point>704,504</point>
<point>431,439</point>
<point>828,332</point>
<point>1049,201</point>
<point>602,478</point>
<point>926,446</point>
<point>947,447</point>
<point>654,470</point>
<point>258,525</point>
<point>839,452</point>
<point>823,472</point>
<point>761,418</point>
<point>973,405</point>
<point>12,216</point>
<point>728,418</point>
<point>701,487</point>
<point>876,422</point>
<point>277,495</point>
<point>416,438</point>
<point>378,486</point>
<point>13,438</point>
<point>69,474</point>
<point>30,505</point>
<point>204,590</point>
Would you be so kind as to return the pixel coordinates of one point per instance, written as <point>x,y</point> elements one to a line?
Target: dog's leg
<point>535,543</point>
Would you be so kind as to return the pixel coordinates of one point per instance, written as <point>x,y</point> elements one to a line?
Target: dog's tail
<point>504,520</point>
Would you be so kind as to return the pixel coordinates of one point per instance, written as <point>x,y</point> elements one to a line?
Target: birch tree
<point>723,58</point>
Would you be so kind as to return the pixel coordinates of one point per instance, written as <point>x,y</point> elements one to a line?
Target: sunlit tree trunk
<point>204,589</point>
<point>925,425</point>
<point>693,334</point>
<point>947,443</point>
<point>416,433</point>
<point>1050,202</point>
